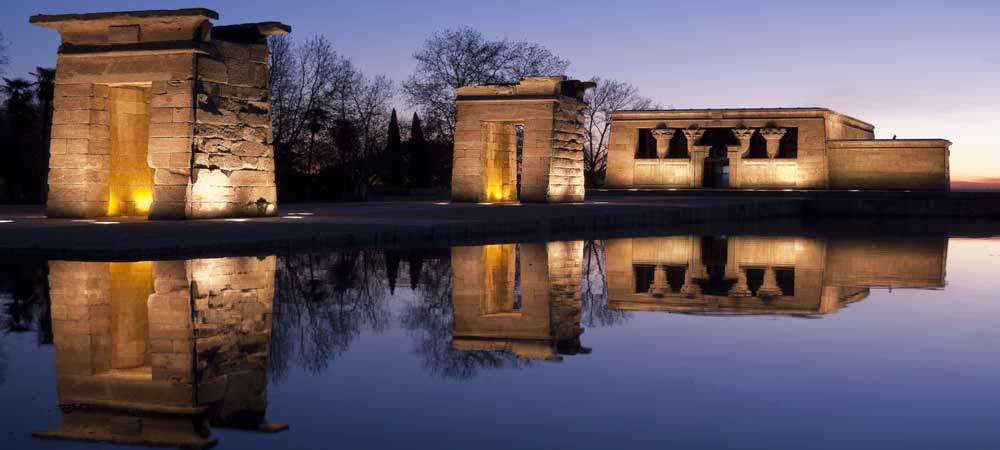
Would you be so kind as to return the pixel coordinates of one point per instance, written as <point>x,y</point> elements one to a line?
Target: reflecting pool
<point>771,340</point>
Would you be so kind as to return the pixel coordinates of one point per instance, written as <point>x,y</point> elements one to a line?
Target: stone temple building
<point>160,114</point>
<point>520,142</point>
<point>783,148</point>
<point>771,275</point>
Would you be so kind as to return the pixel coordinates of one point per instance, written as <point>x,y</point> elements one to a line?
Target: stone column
<point>660,285</point>
<point>662,136</point>
<point>773,137</point>
<point>689,287</point>
<point>769,288</point>
<point>736,155</point>
<point>740,289</point>
<point>697,153</point>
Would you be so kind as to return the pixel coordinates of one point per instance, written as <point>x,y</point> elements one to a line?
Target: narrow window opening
<point>644,274</point>
<point>786,280</point>
<point>646,147</point>
<point>788,146</point>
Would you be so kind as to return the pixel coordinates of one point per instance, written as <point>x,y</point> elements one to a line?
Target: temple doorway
<point>716,168</point>
<point>503,147</point>
<point>130,184</point>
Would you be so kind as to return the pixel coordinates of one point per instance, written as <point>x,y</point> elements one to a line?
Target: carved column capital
<point>693,134</point>
<point>770,133</point>
<point>743,134</point>
<point>773,136</point>
<point>662,136</point>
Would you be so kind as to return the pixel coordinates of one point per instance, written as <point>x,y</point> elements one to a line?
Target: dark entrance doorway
<point>716,168</point>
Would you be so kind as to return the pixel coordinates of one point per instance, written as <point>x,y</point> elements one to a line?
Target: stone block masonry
<point>548,111</point>
<point>196,116</point>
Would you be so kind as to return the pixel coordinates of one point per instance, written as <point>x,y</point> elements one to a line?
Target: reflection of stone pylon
<point>740,289</point>
<point>769,288</point>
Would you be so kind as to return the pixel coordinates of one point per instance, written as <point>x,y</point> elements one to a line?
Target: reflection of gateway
<point>521,298</point>
<point>763,275</point>
<point>153,353</point>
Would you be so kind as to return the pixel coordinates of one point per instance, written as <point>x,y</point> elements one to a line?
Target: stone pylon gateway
<point>160,114</point>
<point>542,117</point>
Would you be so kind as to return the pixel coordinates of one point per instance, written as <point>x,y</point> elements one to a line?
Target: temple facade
<point>782,148</point>
<point>160,114</point>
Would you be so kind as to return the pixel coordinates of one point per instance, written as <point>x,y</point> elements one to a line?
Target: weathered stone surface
<point>205,105</point>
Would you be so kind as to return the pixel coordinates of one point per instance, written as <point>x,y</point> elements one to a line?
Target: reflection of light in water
<point>6,221</point>
<point>237,220</point>
<point>107,222</point>
<point>292,217</point>
<point>83,220</point>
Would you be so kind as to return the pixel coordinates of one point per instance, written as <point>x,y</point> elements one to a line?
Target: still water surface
<point>656,342</point>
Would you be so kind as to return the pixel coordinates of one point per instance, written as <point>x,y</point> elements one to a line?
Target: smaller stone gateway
<point>520,142</point>
<point>158,113</point>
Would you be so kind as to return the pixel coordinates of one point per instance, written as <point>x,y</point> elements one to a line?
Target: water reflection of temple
<point>518,298</point>
<point>156,353</point>
<point>764,275</point>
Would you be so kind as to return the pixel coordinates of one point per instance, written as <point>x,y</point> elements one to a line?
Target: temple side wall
<point>889,164</point>
<point>232,171</point>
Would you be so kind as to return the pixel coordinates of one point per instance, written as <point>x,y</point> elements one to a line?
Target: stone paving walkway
<point>25,230</point>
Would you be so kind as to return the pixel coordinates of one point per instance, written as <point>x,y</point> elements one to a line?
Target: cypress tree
<point>393,159</point>
<point>420,164</point>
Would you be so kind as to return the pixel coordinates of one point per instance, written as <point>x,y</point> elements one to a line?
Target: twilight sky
<point>916,68</point>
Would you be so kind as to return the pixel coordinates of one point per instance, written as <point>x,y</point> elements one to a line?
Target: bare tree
<point>464,57</point>
<point>594,291</point>
<point>303,80</point>
<point>609,96</point>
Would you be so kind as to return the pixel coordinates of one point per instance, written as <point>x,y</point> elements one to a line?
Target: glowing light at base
<point>143,199</point>
<point>6,221</point>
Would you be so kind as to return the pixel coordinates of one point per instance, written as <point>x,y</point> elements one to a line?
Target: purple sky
<point>912,68</point>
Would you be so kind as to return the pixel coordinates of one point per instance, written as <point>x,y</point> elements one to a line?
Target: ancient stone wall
<point>890,164</point>
<point>233,161</point>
